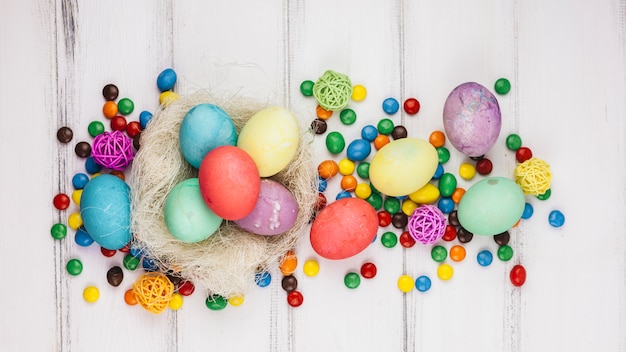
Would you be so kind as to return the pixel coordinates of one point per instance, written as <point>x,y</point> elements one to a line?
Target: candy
<point>428,194</point>
<point>176,302</point>
<point>447,184</point>
<point>518,275</point>
<point>389,239</point>
<point>346,166</point>
<point>95,128</point>
<point>335,142</point>
<point>289,283</point>
<point>363,190</point>
<point>166,79</point>
<point>502,86</point>
<point>144,118</point>
<point>109,109</point>
<point>327,169</point>
<point>528,211</point>
<point>522,154</point>
<point>439,253</point>
<point>347,116</point>
<point>445,272</point>
<point>359,149</point>
<point>352,280</point>
<point>502,238</point>
<point>125,106</point>
<point>236,300</point>
<point>369,133</point>
<point>74,267</point>
<point>467,171</point>
<point>457,253</point>
<point>556,218</point>
<point>380,141</point>
<point>306,88</point>
<point>295,299</point>
<point>61,201</point>
<point>288,264</point>
<point>363,170</point>
<point>484,258</point>
<point>311,268</point>
<point>115,276</point>
<point>58,231</point>
<point>505,253</point>
<point>411,106</point>
<point>390,106</point>
<point>422,283</point>
<point>405,283</point>
<point>368,270</point>
<point>186,288</point>
<point>399,132</point>
<point>385,126</point>
<point>82,238</point>
<point>322,113</point>
<point>406,240</point>
<point>263,278</point>
<point>358,92</point>
<point>443,155</point>
<point>82,149</point>
<point>216,302</point>
<point>130,298</point>
<point>319,126</point>
<point>484,166</point>
<point>110,92</point>
<point>513,141</point>
<point>91,294</point>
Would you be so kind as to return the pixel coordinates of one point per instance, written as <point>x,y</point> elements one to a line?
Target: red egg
<point>344,228</point>
<point>229,182</point>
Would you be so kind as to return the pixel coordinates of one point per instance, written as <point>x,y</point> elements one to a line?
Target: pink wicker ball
<point>113,150</point>
<point>427,224</point>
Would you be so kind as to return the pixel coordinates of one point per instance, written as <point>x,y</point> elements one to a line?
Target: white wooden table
<point>565,60</point>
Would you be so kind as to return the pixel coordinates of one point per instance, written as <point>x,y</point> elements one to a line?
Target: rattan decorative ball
<point>333,90</point>
<point>427,224</point>
<point>113,150</point>
<point>153,291</point>
<point>533,176</point>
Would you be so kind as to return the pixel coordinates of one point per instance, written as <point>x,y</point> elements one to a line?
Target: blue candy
<point>82,238</point>
<point>263,278</point>
<point>446,205</point>
<point>144,118</point>
<point>80,180</point>
<point>528,211</point>
<point>438,172</point>
<point>343,194</point>
<point>391,106</point>
<point>422,283</point>
<point>166,79</point>
<point>321,184</point>
<point>556,218</point>
<point>359,149</point>
<point>92,166</point>
<point>369,133</point>
<point>484,258</point>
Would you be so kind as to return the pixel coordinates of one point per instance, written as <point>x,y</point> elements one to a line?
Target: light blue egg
<point>105,210</point>
<point>204,128</point>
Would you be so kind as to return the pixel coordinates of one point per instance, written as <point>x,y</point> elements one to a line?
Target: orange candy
<point>130,298</point>
<point>323,113</point>
<point>327,169</point>
<point>437,139</point>
<point>457,194</point>
<point>119,174</point>
<point>348,183</point>
<point>109,109</point>
<point>289,263</point>
<point>457,253</point>
<point>380,141</point>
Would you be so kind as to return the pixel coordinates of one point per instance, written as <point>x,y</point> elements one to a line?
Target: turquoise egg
<point>204,128</point>
<point>491,206</point>
<point>105,210</point>
<point>187,216</point>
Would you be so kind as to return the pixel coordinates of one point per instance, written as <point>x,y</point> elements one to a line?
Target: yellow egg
<point>271,138</point>
<point>403,166</point>
<point>425,195</point>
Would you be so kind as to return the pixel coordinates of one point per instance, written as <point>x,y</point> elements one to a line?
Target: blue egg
<point>439,172</point>
<point>204,128</point>
<point>91,166</point>
<point>80,180</point>
<point>144,118</point>
<point>484,258</point>
<point>82,238</point>
<point>359,149</point>
<point>263,278</point>
<point>166,79</point>
<point>321,184</point>
<point>446,205</point>
<point>422,283</point>
<point>391,106</point>
<point>528,211</point>
<point>105,210</point>
<point>343,194</point>
<point>556,218</point>
<point>369,133</point>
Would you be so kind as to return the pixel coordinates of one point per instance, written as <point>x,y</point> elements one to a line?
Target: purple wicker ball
<point>113,150</point>
<point>427,224</point>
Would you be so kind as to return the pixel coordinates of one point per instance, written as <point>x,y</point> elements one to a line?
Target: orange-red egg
<point>229,182</point>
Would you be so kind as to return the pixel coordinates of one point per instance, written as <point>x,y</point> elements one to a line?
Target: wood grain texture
<point>565,61</point>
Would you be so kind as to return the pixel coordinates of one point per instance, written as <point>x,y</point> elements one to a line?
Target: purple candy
<point>275,212</point>
<point>471,119</point>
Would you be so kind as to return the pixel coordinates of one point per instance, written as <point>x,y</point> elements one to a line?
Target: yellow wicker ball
<point>533,176</point>
<point>153,291</point>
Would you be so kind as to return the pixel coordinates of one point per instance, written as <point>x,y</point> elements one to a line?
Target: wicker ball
<point>427,224</point>
<point>153,291</point>
<point>333,90</point>
<point>113,150</point>
<point>533,176</point>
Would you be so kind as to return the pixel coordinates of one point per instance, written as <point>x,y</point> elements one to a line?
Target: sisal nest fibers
<point>227,261</point>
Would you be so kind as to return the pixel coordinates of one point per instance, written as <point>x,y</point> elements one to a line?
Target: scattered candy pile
<point>387,178</point>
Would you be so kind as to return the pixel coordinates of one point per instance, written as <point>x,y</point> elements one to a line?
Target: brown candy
<point>453,219</point>
<point>115,276</point>
<point>110,92</point>
<point>503,238</point>
<point>83,149</point>
<point>463,235</point>
<point>399,132</point>
<point>319,126</point>
<point>399,220</point>
<point>289,283</point>
<point>65,134</point>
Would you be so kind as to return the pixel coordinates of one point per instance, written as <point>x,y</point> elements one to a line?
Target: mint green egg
<point>491,206</point>
<point>186,214</point>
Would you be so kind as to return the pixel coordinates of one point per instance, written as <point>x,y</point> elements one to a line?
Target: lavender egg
<point>472,119</point>
<point>275,212</point>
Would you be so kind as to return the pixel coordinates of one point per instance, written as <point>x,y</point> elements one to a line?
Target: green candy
<point>391,205</point>
<point>125,106</point>
<point>444,155</point>
<point>363,170</point>
<point>306,88</point>
<point>513,141</point>
<point>352,280</point>
<point>505,253</point>
<point>335,143</point>
<point>546,195</point>
<point>375,200</point>
<point>216,302</point>
<point>439,253</point>
<point>385,126</point>
<point>502,86</point>
<point>58,231</point>
<point>447,184</point>
<point>389,239</point>
<point>95,128</point>
<point>130,262</point>
<point>347,116</point>
<point>74,267</point>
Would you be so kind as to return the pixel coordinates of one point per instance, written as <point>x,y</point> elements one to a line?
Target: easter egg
<point>344,228</point>
<point>229,182</point>
<point>403,166</point>
<point>187,216</point>
<point>105,210</point>
<point>271,137</point>
<point>491,206</point>
<point>472,119</point>
<point>205,127</point>
<point>275,212</point>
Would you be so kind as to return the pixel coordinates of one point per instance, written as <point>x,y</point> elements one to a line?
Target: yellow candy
<point>358,92</point>
<point>76,196</point>
<point>311,267</point>
<point>91,294</point>
<point>467,171</point>
<point>236,301</point>
<point>363,190</point>
<point>346,166</point>
<point>75,221</point>
<point>405,283</point>
<point>176,302</point>
<point>425,195</point>
<point>168,97</point>
<point>408,206</point>
<point>445,272</point>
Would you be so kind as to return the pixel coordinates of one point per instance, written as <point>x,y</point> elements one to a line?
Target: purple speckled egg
<point>472,119</point>
<point>275,212</point>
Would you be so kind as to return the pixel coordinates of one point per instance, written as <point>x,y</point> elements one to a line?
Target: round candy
<point>204,128</point>
<point>472,119</point>
<point>513,141</point>
<point>457,253</point>
<point>518,275</point>
<point>369,133</point>
<point>443,154</point>
<point>491,206</point>
<point>389,239</point>
<point>390,106</point>
<point>61,201</point>
<point>380,141</point>
<point>385,126</point>
<point>319,126</point>
<point>447,184</point>
<point>556,218</point>
<point>311,267</point>
<point>439,253</point>
<point>445,272</point>
<point>484,166</point>
<point>105,211</point>
<point>422,283</point>
<point>176,302</point>
<point>411,106</point>
<point>392,205</point>
<point>346,166</point>
<point>445,204</point>
<point>439,172</point>
<point>130,298</point>
<point>95,128</point>
<point>271,137</point>
<point>502,86</point>
<point>133,129</point>
<point>505,253</point>
<point>406,240</point>
<point>306,88</point>
<point>115,276</point>
<point>323,113</point>
<point>327,169</point>
<point>288,263</point>
<point>463,235</point>
<point>528,211</point>
<point>467,171</point>
<point>91,294</point>
<point>403,166</point>
<point>502,238</point>
<point>82,149</point>
<point>130,262</point>
<point>405,283</point>
<point>229,182</point>
<point>347,116</point>
<point>166,79</point>
<point>359,149</point>
<point>344,228</point>
<point>144,118</point>
<point>375,200</point>
<point>335,142</point>
<point>399,132</point>
<point>74,267</point>
<point>363,170</point>
<point>263,278</point>
<point>368,270</point>
<point>484,258</point>
<point>109,109</point>
<point>125,106</point>
<point>168,97</point>
<point>352,280</point>
<point>358,92</point>
<point>110,92</point>
<point>187,216</point>
<point>275,212</point>
<point>437,139</point>
<point>289,283</point>
<point>82,238</point>
<point>522,154</point>
<point>186,288</point>
<point>295,299</point>
<point>79,180</point>
<point>216,302</point>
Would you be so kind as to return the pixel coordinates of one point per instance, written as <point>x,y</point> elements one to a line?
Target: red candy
<point>384,218</point>
<point>368,270</point>
<point>294,298</point>
<point>406,240</point>
<point>411,106</point>
<point>61,201</point>
<point>449,234</point>
<point>133,128</point>
<point>518,275</point>
<point>118,123</point>
<point>321,202</point>
<point>523,154</point>
<point>484,166</point>
<point>186,288</point>
<point>107,252</point>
